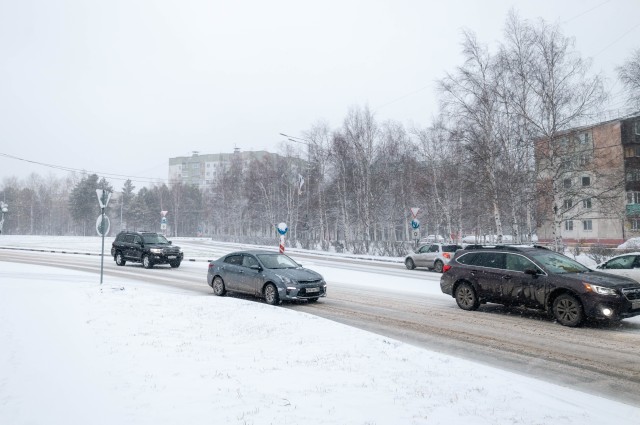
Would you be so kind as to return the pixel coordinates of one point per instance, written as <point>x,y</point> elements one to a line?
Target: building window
<point>567,183</point>
<point>631,151</point>
<point>635,224</point>
<point>586,203</point>
<point>633,175</point>
<point>568,225</point>
<point>638,128</point>
<point>633,197</point>
<point>568,203</point>
<point>566,164</point>
<point>584,159</point>
<point>587,225</point>
<point>583,138</point>
<point>586,181</point>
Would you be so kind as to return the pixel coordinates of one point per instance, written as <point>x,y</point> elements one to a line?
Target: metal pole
<point>102,256</point>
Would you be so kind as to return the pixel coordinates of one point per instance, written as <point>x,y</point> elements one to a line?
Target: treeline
<point>471,171</point>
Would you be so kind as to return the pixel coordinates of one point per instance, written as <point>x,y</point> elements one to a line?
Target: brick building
<point>589,183</point>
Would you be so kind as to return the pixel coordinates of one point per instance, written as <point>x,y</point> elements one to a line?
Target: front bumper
<point>292,293</point>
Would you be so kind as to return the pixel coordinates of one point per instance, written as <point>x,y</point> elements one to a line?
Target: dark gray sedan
<point>265,274</point>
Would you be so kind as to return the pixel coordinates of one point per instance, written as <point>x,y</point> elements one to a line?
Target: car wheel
<point>271,294</point>
<point>146,262</point>
<point>218,286</point>
<point>119,259</point>
<point>437,266</point>
<point>175,264</point>
<point>410,264</point>
<point>466,297</point>
<point>568,310</point>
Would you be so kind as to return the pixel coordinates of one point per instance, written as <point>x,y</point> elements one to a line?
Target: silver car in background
<point>627,265</point>
<point>432,256</point>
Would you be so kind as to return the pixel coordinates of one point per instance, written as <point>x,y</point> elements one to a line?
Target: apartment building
<point>589,183</point>
<point>203,170</point>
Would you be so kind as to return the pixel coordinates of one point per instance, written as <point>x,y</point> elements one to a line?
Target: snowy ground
<point>126,352</point>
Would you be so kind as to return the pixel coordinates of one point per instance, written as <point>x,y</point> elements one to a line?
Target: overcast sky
<point>120,86</point>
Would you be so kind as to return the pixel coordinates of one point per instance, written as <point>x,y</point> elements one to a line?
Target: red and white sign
<point>414,212</point>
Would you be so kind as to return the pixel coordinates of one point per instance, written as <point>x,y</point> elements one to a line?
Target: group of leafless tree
<point>472,171</point>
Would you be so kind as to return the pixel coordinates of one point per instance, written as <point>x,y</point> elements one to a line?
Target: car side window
<point>625,262</point>
<point>128,239</point>
<point>434,248</point>
<point>137,239</point>
<point>467,258</point>
<point>234,259</point>
<point>249,261</point>
<point>494,260</point>
<point>423,249</point>
<point>519,263</point>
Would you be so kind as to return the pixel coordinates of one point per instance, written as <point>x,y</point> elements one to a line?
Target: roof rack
<point>503,247</point>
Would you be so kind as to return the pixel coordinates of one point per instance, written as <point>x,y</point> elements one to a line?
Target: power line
<point>618,39</point>
<point>113,176</point>
<point>585,12</point>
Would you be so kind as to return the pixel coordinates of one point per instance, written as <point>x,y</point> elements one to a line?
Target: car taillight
<point>447,255</point>
<point>445,268</point>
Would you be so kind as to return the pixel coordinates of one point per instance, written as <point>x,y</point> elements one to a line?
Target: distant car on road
<point>148,248</point>
<point>538,278</point>
<point>265,274</point>
<point>627,265</point>
<point>433,256</point>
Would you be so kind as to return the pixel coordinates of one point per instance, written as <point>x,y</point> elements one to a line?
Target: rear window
<point>451,248</point>
<point>494,260</point>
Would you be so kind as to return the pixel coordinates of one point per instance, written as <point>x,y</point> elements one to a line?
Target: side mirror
<point>532,272</point>
<point>256,268</point>
<point>169,242</point>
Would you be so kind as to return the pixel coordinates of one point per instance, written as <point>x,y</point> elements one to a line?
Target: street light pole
<point>5,208</point>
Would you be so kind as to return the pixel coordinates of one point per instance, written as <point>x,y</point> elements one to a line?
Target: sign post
<point>415,225</point>
<point>102,225</point>
<point>282,229</point>
<point>163,222</point>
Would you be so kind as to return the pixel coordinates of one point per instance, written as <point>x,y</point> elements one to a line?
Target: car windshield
<point>277,261</point>
<point>558,264</point>
<point>154,239</point>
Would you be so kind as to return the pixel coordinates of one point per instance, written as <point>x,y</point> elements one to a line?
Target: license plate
<point>635,305</point>
<point>313,290</point>
<point>171,257</point>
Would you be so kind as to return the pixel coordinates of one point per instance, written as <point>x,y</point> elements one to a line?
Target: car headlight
<point>287,280</point>
<point>599,289</point>
<point>156,250</point>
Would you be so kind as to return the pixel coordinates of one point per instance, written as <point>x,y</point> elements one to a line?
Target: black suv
<point>536,277</point>
<point>147,248</point>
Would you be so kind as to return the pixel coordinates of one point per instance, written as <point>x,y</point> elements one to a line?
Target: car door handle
<point>506,277</point>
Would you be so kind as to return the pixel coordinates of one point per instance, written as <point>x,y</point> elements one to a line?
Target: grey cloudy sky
<point>120,86</point>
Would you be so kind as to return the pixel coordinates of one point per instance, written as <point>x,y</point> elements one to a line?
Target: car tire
<point>271,294</point>
<point>120,261</point>
<point>466,297</point>
<point>567,310</point>
<point>218,286</point>
<point>409,264</point>
<point>146,262</point>
<point>175,264</point>
<point>437,266</point>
